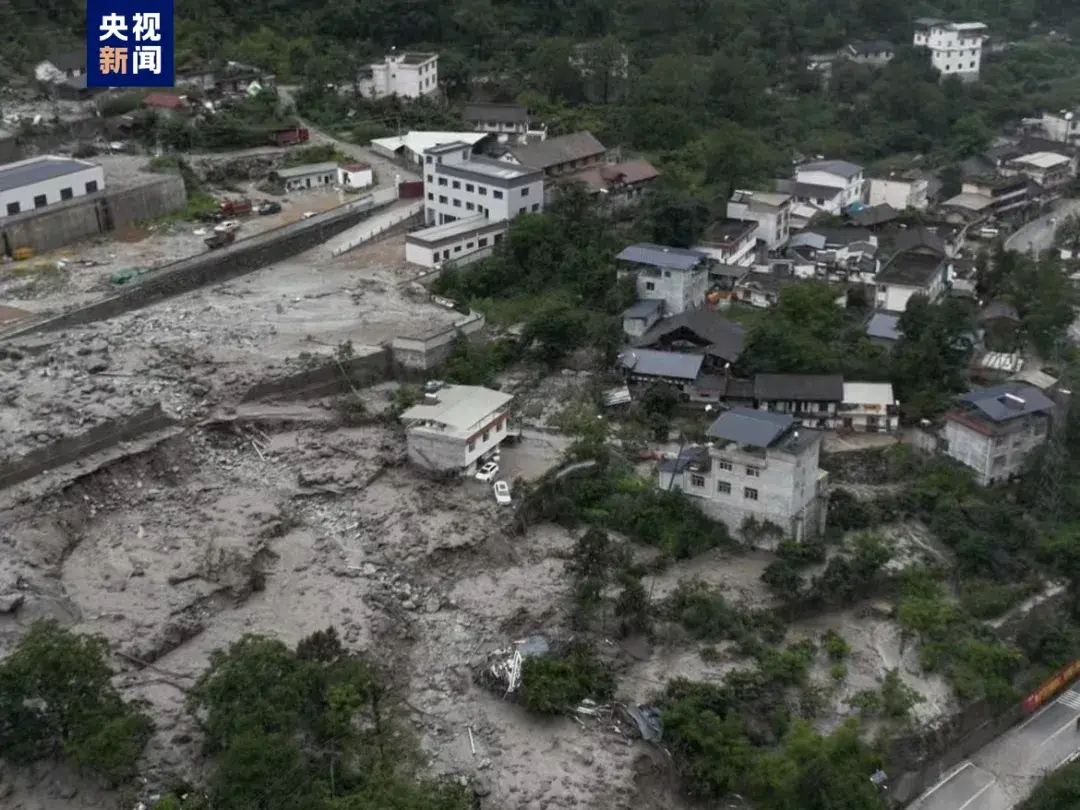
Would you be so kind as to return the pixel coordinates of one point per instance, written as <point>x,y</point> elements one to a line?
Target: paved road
<point>1005,772</point>
<point>1038,235</point>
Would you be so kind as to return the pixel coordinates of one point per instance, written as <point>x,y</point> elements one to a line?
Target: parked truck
<point>234,208</point>
<point>289,137</point>
<point>220,239</point>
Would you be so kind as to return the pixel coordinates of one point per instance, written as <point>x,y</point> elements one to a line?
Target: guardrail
<point>408,213</point>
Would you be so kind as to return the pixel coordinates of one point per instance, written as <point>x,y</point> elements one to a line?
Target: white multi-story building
<point>955,48</point>
<point>457,428</point>
<point>922,270</point>
<point>678,277</point>
<point>899,192</point>
<point>468,203</point>
<point>845,178</point>
<point>458,184</point>
<point>1063,126</point>
<point>869,408</point>
<point>40,181</point>
<point>770,210</point>
<point>509,123</point>
<point>992,430</point>
<point>758,466</point>
<point>406,75</point>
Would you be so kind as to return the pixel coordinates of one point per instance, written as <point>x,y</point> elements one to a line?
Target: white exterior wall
<point>394,77</point>
<point>774,224</point>
<point>787,487</point>
<point>894,297</point>
<point>359,179</point>
<point>504,132</point>
<point>852,189</point>
<point>740,255</point>
<point>437,450</point>
<point>994,458</point>
<point>476,195</point>
<point>51,188</point>
<point>431,256</point>
<point>315,180</point>
<point>1064,127</point>
<point>899,194</point>
<point>680,290</point>
<point>952,53</point>
<point>858,419</point>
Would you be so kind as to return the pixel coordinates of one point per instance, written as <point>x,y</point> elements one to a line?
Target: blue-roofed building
<point>992,430</point>
<point>678,277</point>
<point>759,469</point>
<point>883,327</point>
<point>34,183</point>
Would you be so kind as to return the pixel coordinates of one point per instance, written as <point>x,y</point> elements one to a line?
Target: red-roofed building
<point>165,101</point>
<point>617,183</point>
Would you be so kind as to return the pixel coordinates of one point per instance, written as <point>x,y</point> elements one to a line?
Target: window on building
<point>40,201</point>
<point>430,196</point>
<point>457,184</point>
<point>481,242</point>
<point>697,480</point>
<point>723,487</point>
<point>650,286</point>
<point>431,178</point>
<point>536,207</point>
<point>973,64</point>
<point>753,472</point>
<point>66,194</point>
<point>725,466</point>
<point>442,199</point>
<point>464,154</point>
<point>442,181</point>
<point>750,494</point>
<point>428,157</point>
<point>496,194</point>
<point>469,206</point>
<point>468,245</point>
<point>12,208</point>
<point>457,248</point>
<point>471,445</point>
<point>482,190</point>
<point>468,186</point>
<point>525,192</point>
<point>486,436</point>
<point>457,203</point>
<point>667,274</point>
<point>524,209</point>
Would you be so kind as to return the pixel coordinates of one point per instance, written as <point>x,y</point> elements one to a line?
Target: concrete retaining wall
<point>67,222</point>
<point>403,222</point>
<point>66,451</point>
<point>427,352</point>
<point>238,259</point>
<point>326,379</point>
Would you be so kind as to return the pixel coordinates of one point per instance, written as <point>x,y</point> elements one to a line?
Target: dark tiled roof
<point>555,151</point>
<point>660,256</point>
<point>803,387</point>
<point>746,426</point>
<point>1002,403</point>
<point>72,60</point>
<point>874,46</point>
<point>807,191</point>
<point>874,215</point>
<point>910,269</point>
<point>724,338</point>
<point>836,237</point>
<point>913,238</point>
<point>503,113</point>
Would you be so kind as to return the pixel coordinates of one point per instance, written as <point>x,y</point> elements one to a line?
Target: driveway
<point>1038,235</point>
<point>1005,772</point>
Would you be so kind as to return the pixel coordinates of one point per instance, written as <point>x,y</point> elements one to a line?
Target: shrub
<point>553,684</point>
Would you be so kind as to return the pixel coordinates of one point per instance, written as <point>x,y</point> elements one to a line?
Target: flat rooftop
<point>35,170</point>
<point>493,168</point>
<point>461,227</point>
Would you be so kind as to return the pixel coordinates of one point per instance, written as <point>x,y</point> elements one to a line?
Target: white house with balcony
<point>678,277</point>
<point>407,74</point>
<point>992,430</point>
<point>955,48</point>
<point>770,210</point>
<point>457,428</point>
<point>758,466</point>
<point>868,408</point>
<point>846,178</point>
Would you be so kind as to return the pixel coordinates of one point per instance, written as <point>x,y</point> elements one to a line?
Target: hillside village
<point>483,463</point>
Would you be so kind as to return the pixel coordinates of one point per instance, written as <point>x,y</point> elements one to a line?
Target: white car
<point>308,214</point>
<point>487,472</point>
<point>228,225</point>
<point>502,493</point>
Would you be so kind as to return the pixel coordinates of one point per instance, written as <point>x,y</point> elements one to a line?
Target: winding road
<point>1038,235</point>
